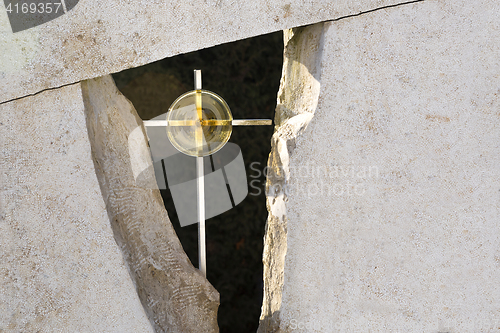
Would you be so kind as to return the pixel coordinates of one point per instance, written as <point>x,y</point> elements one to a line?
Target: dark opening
<point>247,75</point>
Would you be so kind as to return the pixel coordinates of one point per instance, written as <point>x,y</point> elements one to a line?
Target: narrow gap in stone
<point>247,75</point>
<point>37,93</point>
<point>375,9</point>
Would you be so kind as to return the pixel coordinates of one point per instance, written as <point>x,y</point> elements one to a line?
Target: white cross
<point>200,181</point>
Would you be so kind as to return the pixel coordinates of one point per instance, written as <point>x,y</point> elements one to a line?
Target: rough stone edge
<point>297,100</point>
<point>175,296</point>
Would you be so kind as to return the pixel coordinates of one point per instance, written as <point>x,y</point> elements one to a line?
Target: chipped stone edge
<point>174,294</point>
<point>296,103</point>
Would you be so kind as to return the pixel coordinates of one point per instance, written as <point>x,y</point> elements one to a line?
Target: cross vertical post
<point>196,123</point>
<point>200,179</point>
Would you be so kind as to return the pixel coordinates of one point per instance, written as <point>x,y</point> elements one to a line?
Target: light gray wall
<point>389,204</point>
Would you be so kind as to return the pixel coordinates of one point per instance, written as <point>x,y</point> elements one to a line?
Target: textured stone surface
<point>97,38</point>
<point>175,295</point>
<point>60,267</point>
<point>297,100</point>
<point>392,197</point>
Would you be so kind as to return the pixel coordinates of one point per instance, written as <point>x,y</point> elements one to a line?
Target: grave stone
<point>384,192</point>
<point>61,269</point>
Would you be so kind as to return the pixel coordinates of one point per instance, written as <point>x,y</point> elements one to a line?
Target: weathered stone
<point>97,38</point>
<point>297,101</point>
<point>60,267</point>
<point>388,205</point>
<point>175,295</point>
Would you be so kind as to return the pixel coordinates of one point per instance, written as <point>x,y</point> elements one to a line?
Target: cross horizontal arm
<point>163,123</point>
<point>251,122</point>
<point>210,122</point>
<point>155,123</point>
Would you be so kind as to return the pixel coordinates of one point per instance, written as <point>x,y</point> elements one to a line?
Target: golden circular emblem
<point>199,123</point>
